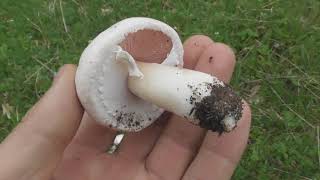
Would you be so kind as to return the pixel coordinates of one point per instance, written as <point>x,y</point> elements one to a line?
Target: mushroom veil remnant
<point>119,91</point>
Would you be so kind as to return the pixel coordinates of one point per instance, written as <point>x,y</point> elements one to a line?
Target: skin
<point>58,140</point>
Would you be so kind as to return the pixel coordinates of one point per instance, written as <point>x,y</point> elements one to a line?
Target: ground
<point>277,48</point>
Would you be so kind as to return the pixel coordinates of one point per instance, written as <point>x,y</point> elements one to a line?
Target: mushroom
<point>129,95</point>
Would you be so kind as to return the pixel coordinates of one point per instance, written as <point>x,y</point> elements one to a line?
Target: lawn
<point>277,45</point>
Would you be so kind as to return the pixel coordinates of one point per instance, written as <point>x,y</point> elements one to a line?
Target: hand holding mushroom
<point>57,140</point>
<point>127,95</point>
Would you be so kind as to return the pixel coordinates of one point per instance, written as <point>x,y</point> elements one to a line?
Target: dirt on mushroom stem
<point>212,109</point>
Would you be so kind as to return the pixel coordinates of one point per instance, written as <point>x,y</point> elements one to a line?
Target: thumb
<point>35,147</point>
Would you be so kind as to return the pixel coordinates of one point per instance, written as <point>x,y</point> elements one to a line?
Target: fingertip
<point>193,48</point>
<point>223,48</point>
<point>217,59</point>
<point>70,69</point>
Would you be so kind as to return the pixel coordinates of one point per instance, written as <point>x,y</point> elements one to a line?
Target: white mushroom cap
<point>101,81</point>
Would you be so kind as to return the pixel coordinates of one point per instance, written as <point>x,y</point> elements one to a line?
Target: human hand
<point>57,140</point>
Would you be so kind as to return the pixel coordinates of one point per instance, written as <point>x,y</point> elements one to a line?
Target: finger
<point>181,139</point>
<point>36,144</point>
<point>218,156</point>
<point>194,47</point>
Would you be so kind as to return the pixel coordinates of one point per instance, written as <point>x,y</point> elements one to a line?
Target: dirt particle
<point>210,59</point>
<point>119,118</point>
<point>191,111</point>
<point>189,86</point>
<point>137,123</point>
<point>192,99</point>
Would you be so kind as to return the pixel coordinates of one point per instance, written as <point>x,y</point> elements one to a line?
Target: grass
<point>276,43</point>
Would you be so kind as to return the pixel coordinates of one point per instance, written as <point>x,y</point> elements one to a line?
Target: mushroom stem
<point>199,97</point>
<point>174,89</point>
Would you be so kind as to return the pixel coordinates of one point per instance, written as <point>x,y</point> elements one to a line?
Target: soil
<point>212,109</point>
<point>128,119</point>
<point>210,59</point>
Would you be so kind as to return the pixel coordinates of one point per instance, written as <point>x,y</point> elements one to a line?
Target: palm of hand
<point>140,157</point>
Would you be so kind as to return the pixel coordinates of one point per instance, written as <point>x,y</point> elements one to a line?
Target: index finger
<point>219,155</point>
